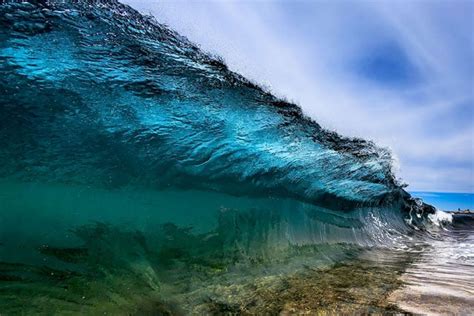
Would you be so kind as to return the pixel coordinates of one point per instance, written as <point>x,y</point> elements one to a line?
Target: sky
<point>448,201</point>
<point>400,73</point>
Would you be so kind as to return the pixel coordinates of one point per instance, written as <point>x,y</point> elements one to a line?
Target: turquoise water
<point>447,201</point>
<point>138,175</point>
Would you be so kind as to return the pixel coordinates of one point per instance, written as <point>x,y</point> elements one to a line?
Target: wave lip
<point>193,114</point>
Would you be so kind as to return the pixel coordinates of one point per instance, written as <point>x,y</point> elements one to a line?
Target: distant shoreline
<point>462,212</point>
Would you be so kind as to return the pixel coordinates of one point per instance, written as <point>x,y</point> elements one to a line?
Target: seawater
<point>139,175</point>
<point>82,250</point>
<point>440,280</point>
<point>87,250</point>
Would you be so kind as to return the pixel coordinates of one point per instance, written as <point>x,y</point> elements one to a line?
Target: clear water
<point>138,175</point>
<point>441,280</point>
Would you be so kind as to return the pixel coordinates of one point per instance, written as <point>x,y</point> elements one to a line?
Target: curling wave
<point>95,95</point>
<point>135,169</point>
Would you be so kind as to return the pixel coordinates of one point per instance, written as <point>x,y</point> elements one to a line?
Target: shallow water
<point>441,279</point>
<point>78,249</point>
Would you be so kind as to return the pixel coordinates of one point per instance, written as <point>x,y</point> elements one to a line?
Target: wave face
<point>86,86</point>
<point>99,95</point>
<point>107,116</point>
<point>96,94</point>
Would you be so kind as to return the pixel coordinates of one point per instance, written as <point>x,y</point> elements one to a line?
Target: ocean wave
<point>95,94</point>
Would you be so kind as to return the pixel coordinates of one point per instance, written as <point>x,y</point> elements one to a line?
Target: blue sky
<point>448,201</point>
<point>397,72</point>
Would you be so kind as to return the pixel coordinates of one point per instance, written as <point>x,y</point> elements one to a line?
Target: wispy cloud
<point>400,73</point>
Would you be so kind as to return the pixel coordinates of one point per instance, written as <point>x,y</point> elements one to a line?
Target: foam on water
<point>440,218</point>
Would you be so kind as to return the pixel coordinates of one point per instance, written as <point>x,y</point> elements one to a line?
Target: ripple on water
<point>441,281</point>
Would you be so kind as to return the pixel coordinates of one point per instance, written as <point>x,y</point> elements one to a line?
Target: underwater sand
<point>72,249</point>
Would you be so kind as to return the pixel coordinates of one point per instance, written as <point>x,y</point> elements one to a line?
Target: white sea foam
<point>439,218</point>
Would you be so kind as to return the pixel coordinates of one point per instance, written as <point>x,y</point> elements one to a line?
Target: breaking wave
<point>107,116</point>
<point>126,151</point>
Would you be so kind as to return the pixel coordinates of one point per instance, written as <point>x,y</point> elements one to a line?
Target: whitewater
<point>139,175</point>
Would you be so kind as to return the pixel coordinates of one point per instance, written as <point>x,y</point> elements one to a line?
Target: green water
<point>77,249</point>
<point>68,249</point>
